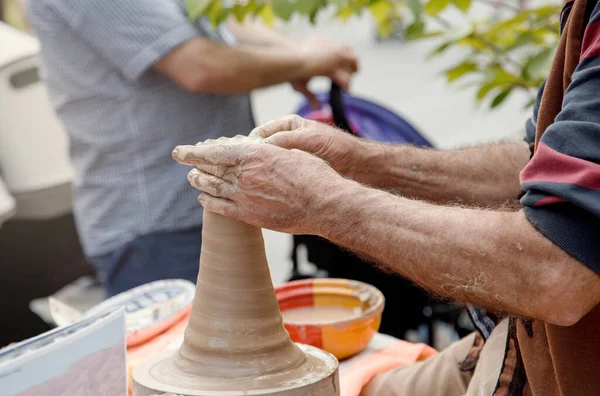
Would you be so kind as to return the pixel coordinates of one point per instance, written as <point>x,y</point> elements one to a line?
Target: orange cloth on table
<point>402,353</point>
<point>169,340</point>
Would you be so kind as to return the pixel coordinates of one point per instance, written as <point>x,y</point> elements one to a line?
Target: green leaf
<point>306,7</point>
<point>266,14</point>
<point>462,5</point>
<point>485,89</point>
<point>415,7</point>
<point>313,16</point>
<point>345,13</point>
<point>522,40</point>
<point>213,12</point>
<point>539,65</point>
<point>283,9</point>
<point>460,70</point>
<point>380,10</point>
<point>415,30</point>
<point>471,41</point>
<point>221,16</point>
<point>338,3</point>
<point>440,49</point>
<point>501,97</point>
<point>385,28</point>
<point>431,34</point>
<point>240,11</point>
<point>501,76</point>
<point>195,8</point>
<point>434,7</point>
<point>358,5</point>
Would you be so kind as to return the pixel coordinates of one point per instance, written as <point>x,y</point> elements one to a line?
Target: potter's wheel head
<point>316,376</point>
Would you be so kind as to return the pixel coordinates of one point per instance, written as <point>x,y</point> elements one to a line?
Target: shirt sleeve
<point>562,180</point>
<point>132,35</point>
<point>530,125</point>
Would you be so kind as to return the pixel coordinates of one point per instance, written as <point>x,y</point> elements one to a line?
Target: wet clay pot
<point>235,342</point>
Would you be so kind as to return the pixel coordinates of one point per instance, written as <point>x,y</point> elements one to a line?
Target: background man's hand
<point>344,152</point>
<point>329,59</point>
<point>261,184</point>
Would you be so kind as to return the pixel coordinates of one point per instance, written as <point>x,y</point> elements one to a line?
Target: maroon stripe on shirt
<point>548,165</point>
<point>549,200</point>
<point>590,47</point>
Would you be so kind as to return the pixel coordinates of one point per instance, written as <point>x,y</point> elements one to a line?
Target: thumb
<point>287,123</point>
<point>289,140</point>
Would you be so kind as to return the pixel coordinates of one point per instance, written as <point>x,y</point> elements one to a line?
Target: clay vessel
<point>235,342</point>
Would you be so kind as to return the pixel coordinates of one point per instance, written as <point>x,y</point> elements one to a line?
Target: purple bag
<point>362,118</point>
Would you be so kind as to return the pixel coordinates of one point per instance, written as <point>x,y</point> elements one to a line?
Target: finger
<point>290,140</point>
<point>351,60</point>
<point>229,173</point>
<point>342,78</point>
<point>310,96</point>
<point>287,123</point>
<point>212,154</point>
<point>224,207</point>
<point>211,184</point>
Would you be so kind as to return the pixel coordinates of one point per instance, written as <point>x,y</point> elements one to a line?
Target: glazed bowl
<point>342,337</point>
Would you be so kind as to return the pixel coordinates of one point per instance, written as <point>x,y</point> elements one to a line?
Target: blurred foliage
<point>501,55</point>
<point>12,14</point>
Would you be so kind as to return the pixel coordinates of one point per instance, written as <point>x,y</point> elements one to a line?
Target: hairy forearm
<point>485,176</point>
<point>488,258</point>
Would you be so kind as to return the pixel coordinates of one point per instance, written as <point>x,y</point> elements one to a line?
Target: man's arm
<point>488,258</point>
<point>486,175</point>
<point>492,259</point>
<point>201,65</point>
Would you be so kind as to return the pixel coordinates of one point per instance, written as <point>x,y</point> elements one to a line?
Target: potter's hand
<point>261,184</point>
<point>347,154</point>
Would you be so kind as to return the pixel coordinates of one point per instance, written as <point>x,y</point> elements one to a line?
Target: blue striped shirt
<point>122,118</point>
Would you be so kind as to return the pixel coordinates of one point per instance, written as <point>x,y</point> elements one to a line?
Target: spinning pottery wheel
<point>235,342</point>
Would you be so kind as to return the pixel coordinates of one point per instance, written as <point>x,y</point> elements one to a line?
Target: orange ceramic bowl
<point>342,338</point>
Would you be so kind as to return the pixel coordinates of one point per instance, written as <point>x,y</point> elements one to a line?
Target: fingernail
<point>175,153</point>
<point>191,175</point>
<point>181,152</point>
<point>201,199</point>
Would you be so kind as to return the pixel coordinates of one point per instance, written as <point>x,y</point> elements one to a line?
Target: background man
<point>129,80</point>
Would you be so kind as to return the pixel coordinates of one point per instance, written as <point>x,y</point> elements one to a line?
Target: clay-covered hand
<point>261,184</point>
<point>347,154</point>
